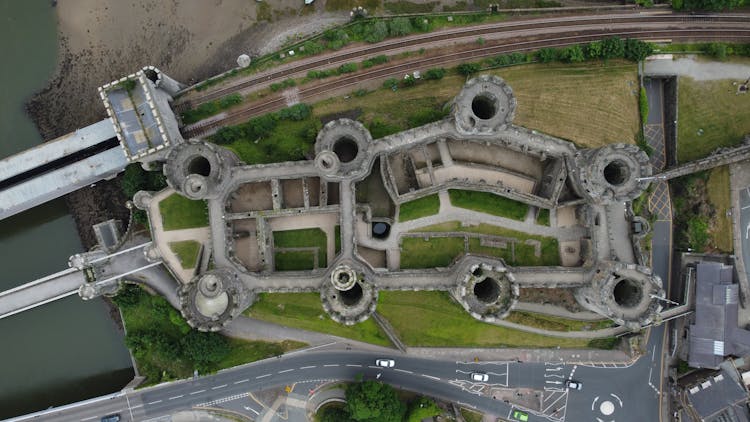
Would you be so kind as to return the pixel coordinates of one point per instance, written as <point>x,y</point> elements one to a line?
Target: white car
<point>574,385</point>
<point>479,377</point>
<point>385,363</point>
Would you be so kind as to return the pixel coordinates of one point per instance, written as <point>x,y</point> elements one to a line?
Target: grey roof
<point>715,333</point>
<point>720,398</point>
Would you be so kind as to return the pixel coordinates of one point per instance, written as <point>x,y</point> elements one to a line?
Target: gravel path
<point>698,69</point>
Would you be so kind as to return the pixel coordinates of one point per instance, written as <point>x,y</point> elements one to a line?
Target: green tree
<point>435,73</point>
<point>716,49</point>
<point>594,50</point>
<point>712,4</point>
<point>400,26</point>
<point>378,31</point>
<point>637,50</point>
<point>334,414</point>
<point>372,401</point>
<point>573,54</point>
<point>613,48</point>
<point>467,69</point>
<point>422,408</point>
<point>204,349</point>
<point>128,295</point>
<point>546,55</point>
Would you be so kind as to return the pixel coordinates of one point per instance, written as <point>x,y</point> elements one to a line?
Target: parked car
<point>479,377</point>
<point>520,416</point>
<point>111,418</point>
<point>385,363</point>
<point>574,385</point>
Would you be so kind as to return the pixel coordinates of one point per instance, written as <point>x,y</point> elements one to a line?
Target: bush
<point>468,69</point>
<point>435,73</point>
<point>698,232</point>
<point>296,112</point>
<point>716,50</point>
<point>677,4</point>
<point>594,50</point>
<point>377,32</point>
<point>373,401</point>
<point>313,47</point>
<point>613,48</point>
<point>643,105</point>
<point>230,100</point>
<point>380,59</point>
<point>637,50</point>
<point>572,54</point>
<point>390,83</point>
<point>408,81</point>
<point>135,178</point>
<point>127,295</point>
<point>347,68</point>
<point>205,349</point>
<point>547,55</point>
<point>422,408</point>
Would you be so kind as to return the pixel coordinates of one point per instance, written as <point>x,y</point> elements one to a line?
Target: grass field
<point>303,310</point>
<point>418,208</point>
<point>542,217</point>
<point>553,323</point>
<point>178,212</point>
<point>436,252</point>
<point>186,251</point>
<point>489,203</point>
<point>432,319</point>
<point>719,196</point>
<point>152,314</point>
<point>714,108</point>
<point>524,254</point>
<point>299,260</point>
<point>288,141</point>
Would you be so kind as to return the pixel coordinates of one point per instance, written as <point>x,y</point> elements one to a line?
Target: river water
<point>68,350</point>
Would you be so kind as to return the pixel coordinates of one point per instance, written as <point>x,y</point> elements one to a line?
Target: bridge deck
<point>47,289</point>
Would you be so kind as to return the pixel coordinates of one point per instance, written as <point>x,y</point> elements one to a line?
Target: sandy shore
<point>102,40</point>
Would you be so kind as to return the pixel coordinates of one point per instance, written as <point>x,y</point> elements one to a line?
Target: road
<point>630,390</point>
<point>745,225</point>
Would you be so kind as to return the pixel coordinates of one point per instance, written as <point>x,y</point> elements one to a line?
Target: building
<point>719,398</point>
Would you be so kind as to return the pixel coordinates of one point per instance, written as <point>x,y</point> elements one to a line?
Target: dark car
<point>111,418</point>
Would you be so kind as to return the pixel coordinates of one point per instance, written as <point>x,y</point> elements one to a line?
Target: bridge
<point>90,274</point>
<point>59,167</point>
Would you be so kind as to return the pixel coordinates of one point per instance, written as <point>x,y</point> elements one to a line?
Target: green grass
<point>295,261</point>
<point>542,217</point>
<point>524,254</point>
<point>288,141</point>
<point>553,323</point>
<point>178,212</point>
<point>711,115</point>
<point>721,235</point>
<point>186,251</point>
<point>150,313</point>
<point>402,7</point>
<point>303,310</point>
<point>436,252</point>
<point>471,415</point>
<point>432,319</point>
<point>489,203</point>
<point>418,208</point>
<point>298,239</point>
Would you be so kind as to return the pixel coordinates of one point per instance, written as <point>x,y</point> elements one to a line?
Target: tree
<point>713,4</point>
<point>333,414</point>
<point>467,69</point>
<point>400,26</point>
<point>637,50</point>
<point>205,349</point>
<point>717,50</point>
<point>546,55</point>
<point>378,31</point>
<point>422,408</point>
<point>128,295</point>
<point>435,73</point>
<point>594,50</point>
<point>573,54</point>
<point>372,401</point>
<point>613,48</point>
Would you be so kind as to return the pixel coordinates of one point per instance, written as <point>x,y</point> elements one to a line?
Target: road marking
<point>404,371</point>
<point>286,370</point>
<point>353,366</point>
<point>218,386</point>
<point>431,377</point>
<point>618,399</point>
<point>154,402</point>
<point>262,376</point>
<point>307,367</point>
<point>250,408</point>
<point>137,407</point>
<point>197,392</point>
<point>373,367</point>
<point>331,366</point>
<point>177,397</point>
<point>88,419</point>
<point>241,381</point>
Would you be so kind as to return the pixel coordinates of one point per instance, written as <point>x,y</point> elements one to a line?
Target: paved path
<point>697,69</point>
<point>557,311</point>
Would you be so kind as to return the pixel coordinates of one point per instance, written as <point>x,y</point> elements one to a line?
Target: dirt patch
<point>559,297</point>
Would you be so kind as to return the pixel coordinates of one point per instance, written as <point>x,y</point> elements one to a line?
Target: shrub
<point>546,55</point>
<point>399,27</point>
<point>643,105</point>
<point>390,83</point>
<point>230,100</point>
<point>572,54</point>
<point>435,73</point>
<point>377,32</point>
<point>347,68</point>
<point>637,50</point>
<point>467,69</point>
<point>715,49</point>
<point>296,112</point>
<point>380,59</point>
<point>594,50</point>
<point>408,81</point>
<point>613,48</point>
<point>313,47</point>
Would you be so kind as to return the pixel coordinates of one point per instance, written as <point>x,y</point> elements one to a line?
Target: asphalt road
<point>655,95</point>
<point>745,226</point>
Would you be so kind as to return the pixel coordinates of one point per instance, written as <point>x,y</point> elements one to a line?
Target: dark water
<point>67,350</point>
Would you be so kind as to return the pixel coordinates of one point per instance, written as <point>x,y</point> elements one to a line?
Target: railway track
<point>192,99</point>
<point>349,82</point>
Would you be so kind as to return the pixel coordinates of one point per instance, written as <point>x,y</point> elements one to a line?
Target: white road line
<point>88,419</point>
<point>307,367</point>
<point>286,370</point>
<point>353,366</point>
<point>154,402</point>
<point>241,381</point>
<point>136,407</point>
<point>431,377</point>
<point>618,399</point>
<point>254,411</point>
<point>404,371</point>
<point>177,397</point>
<point>197,392</point>
<point>218,386</point>
<point>553,403</point>
<point>373,367</point>
<point>262,376</point>
<point>331,366</point>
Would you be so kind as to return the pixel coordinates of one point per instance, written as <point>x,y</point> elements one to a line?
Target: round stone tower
<point>486,104</point>
<point>198,169</point>
<point>611,173</point>
<point>213,298</point>
<point>347,296</point>
<point>487,292</point>
<point>342,150</point>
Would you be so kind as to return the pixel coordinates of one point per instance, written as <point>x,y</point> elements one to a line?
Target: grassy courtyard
<point>303,310</point>
<point>489,203</point>
<point>302,238</point>
<point>711,115</point>
<point>432,319</point>
<point>186,251</point>
<point>418,208</point>
<point>178,212</point>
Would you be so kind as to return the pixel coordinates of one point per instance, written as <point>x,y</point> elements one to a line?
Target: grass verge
<point>489,203</point>
<point>178,212</point>
<point>553,323</point>
<point>712,115</point>
<point>720,197</point>
<point>432,319</point>
<point>435,252</point>
<point>186,251</point>
<point>418,208</point>
<point>303,310</point>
